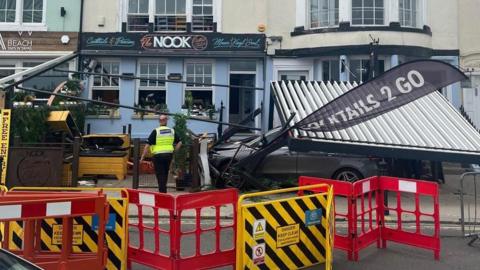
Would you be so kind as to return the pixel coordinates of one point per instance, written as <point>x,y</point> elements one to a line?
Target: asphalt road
<point>455,255</point>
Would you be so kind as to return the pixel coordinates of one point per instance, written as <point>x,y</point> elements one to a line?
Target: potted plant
<point>181,155</point>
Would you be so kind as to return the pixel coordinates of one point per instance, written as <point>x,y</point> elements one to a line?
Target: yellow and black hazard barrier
<point>84,229</point>
<point>288,233</point>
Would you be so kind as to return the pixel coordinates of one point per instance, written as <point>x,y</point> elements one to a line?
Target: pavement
<point>449,197</point>
<point>456,253</point>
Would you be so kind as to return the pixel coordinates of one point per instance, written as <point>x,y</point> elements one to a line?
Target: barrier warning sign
<point>77,234</point>
<point>313,217</point>
<point>259,229</point>
<point>258,254</point>
<point>288,235</point>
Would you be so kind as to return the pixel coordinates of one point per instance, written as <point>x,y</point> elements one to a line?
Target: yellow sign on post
<point>4,141</point>
<point>287,233</point>
<point>77,238</point>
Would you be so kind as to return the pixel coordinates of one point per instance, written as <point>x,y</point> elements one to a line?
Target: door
<point>471,102</point>
<point>242,101</point>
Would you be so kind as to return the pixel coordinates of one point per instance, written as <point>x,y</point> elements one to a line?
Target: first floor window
<point>152,94</point>
<point>22,11</point>
<point>367,12</point>
<point>323,13</point>
<point>408,12</point>
<point>170,15</point>
<point>202,18</point>
<point>106,88</point>
<point>32,11</point>
<point>7,10</point>
<point>330,70</point>
<point>137,17</point>
<point>198,96</point>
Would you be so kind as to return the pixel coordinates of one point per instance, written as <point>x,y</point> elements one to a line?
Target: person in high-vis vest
<point>162,142</point>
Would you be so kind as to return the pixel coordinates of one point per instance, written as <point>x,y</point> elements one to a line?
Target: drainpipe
<point>80,31</point>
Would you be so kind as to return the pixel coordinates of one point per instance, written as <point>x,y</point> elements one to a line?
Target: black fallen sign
<point>395,88</point>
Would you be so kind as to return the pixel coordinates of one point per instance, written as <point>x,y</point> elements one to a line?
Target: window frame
<point>365,58</point>
<point>137,14</point>
<point>336,11</point>
<point>152,12</point>
<point>330,59</point>
<point>139,87</point>
<point>374,18</point>
<point>416,12</point>
<point>199,88</point>
<point>92,85</point>
<point>19,25</point>
<point>203,15</point>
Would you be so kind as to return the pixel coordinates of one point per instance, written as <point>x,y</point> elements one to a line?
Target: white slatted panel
<point>429,122</point>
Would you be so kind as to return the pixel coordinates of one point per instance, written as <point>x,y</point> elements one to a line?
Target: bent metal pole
<point>129,107</point>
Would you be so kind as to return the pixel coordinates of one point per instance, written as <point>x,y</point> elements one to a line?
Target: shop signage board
<point>24,41</point>
<point>161,42</point>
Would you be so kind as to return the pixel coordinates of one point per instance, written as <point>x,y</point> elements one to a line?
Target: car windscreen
<point>9,261</point>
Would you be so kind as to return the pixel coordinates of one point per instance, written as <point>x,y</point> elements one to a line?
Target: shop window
<point>408,10</point>
<point>199,97</point>
<point>368,12</point>
<point>323,13</point>
<point>137,17</point>
<point>106,88</point>
<point>152,94</point>
<point>7,70</point>
<point>360,68</point>
<point>293,75</point>
<point>202,18</point>
<point>47,81</point>
<point>331,70</point>
<point>30,11</point>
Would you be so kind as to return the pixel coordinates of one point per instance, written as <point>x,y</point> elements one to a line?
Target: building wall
<point>70,22</point>
<point>469,34</point>
<point>443,20</point>
<point>244,16</point>
<point>106,12</point>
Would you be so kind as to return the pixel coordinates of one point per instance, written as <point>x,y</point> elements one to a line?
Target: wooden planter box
<point>103,165</point>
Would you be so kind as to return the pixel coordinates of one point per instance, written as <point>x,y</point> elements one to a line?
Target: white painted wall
<point>97,11</point>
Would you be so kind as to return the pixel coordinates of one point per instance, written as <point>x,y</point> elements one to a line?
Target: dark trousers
<point>162,165</point>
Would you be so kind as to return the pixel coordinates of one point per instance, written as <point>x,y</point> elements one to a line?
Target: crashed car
<point>283,164</point>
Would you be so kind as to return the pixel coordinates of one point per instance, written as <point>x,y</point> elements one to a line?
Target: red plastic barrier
<point>366,213</point>
<point>415,237</point>
<point>33,207</point>
<point>158,203</point>
<point>171,254</point>
<point>340,189</point>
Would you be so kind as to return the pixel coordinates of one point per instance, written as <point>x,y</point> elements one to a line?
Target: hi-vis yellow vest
<point>164,142</point>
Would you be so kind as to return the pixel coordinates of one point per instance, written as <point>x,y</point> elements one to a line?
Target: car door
<point>319,164</point>
<point>281,162</point>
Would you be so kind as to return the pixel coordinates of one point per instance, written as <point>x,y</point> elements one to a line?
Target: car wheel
<point>348,175</point>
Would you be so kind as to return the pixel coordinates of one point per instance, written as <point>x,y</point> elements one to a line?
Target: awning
<point>429,128</point>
